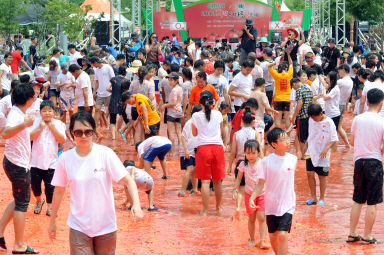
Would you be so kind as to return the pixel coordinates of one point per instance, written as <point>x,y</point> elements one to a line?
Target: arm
<point>241,33</point>
<point>186,151</point>
<point>25,64</point>
<point>10,132</point>
<point>323,154</point>
<point>297,110</point>
<point>256,192</point>
<point>60,138</point>
<point>362,104</point>
<point>96,87</point>
<point>232,155</point>
<point>237,184</point>
<point>302,41</point>
<point>58,196</point>
<point>226,96</point>
<point>231,92</point>
<point>36,133</point>
<point>145,119</point>
<point>338,61</point>
<point>85,94</point>
<point>1,85</point>
<point>109,87</point>
<point>132,190</point>
<point>194,130</point>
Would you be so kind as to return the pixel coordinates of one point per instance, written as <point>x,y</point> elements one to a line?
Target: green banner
<point>276,7</point>
<point>180,18</point>
<point>307,16</point>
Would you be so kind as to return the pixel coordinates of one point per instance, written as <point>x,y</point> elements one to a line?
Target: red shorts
<point>210,162</point>
<point>259,201</point>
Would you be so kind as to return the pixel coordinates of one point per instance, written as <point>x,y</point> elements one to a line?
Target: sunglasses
<point>80,133</point>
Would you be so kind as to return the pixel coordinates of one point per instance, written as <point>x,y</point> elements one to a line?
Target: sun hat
<point>249,22</point>
<point>263,40</point>
<point>136,64</point>
<point>294,31</point>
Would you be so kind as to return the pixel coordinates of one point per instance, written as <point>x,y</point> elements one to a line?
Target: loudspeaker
<point>102,32</point>
<point>233,40</point>
<point>276,37</point>
<point>224,40</point>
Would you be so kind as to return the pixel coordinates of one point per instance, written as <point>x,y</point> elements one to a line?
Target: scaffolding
<point>116,28</point>
<point>340,23</point>
<point>326,20</point>
<point>308,4</point>
<point>317,19</point>
<point>136,14</point>
<point>149,18</point>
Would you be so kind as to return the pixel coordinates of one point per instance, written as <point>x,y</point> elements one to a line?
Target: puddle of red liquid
<point>178,228</point>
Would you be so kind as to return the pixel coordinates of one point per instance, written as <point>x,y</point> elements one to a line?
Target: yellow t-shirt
<point>282,84</point>
<point>153,116</point>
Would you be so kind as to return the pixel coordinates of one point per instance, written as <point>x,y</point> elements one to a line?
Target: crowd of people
<point>247,102</point>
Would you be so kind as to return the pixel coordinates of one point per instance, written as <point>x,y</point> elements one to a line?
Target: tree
<point>8,11</point>
<point>366,10</point>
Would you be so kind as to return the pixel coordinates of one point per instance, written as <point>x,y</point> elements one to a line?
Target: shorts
<point>186,162</point>
<point>259,201</point>
<point>172,119</point>
<point>279,223</point>
<point>336,120</point>
<point>81,244</point>
<point>210,162</point>
<point>53,93</point>
<point>242,182</point>
<point>82,108</point>
<point>237,108</point>
<point>321,171</point>
<point>165,114</point>
<point>158,152</point>
<point>103,100</point>
<point>20,178</point>
<point>342,109</point>
<point>282,106</point>
<point>134,113</point>
<point>66,103</point>
<point>302,129</point>
<point>154,130</point>
<point>368,181</point>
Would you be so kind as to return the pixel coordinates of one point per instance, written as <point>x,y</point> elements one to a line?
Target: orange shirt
<point>196,90</point>
<point>282,84</point>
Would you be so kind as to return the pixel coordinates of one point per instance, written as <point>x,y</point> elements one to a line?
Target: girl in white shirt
<point>46,133</point>
<point>332,97</point>
<point>210,161</point>
<point>89,169</point>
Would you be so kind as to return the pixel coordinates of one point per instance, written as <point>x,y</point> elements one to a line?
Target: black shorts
<point>237,108</point>
<point>368,181</point>
<point>21,184</point>
<point>282,106</point>
<point>165,114</point>
<point>82,108</point>
<point>242,182</point>
<point>336,120</point>
<point>321,171</point>
<point>134,113</point>
<point>186,162</point>
<point>154,130</point>
<point>53,93</point>
<point>302,129</point>
<point>279,223</point>
<point>172,119</point>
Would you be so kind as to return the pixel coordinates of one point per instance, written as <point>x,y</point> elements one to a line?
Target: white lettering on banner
<point>178,25</point>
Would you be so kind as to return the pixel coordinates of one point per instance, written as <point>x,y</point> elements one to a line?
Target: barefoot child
<point>322,135</point>
<point>224,109</point>
<point>46,135</point>
<point>143,180</point>
<point>277,174</point>
<point>249,169</point>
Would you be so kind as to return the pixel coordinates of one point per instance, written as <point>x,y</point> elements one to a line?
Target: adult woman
<point>153,50</point>
<point>116,106</point>
<point>175,110</point>
<point>210,161</point>
<point>17,156</point>
<point>332,97</point>
<point>86,66</point>
<point>89,169</point>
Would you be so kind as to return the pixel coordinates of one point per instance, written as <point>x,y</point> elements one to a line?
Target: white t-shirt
<point>356,110</point>
<point>152,142</point>
<point>176,95</point>
<point>220,83</point>
<point>332,105</point>
<point>187,88</point>
<point>83,81</point>
<point>47,145</point>
<point>39,72</point>
<point>6,104</point>
<point>90,181</point>
<point>6,78</point>
<point>34,110</point>
<point>267,76</point>
<point>317,89</point>
<point>251,176</point>
<point>243,85</point>
<point>103,75</point>
<point>368,131</point>
<point>320,134</point>
<point>278,172</point>
<point>372,85</point>
<point>354,61</point>
<point>198,54</point>
<point>18,148</point>
<point>243,135</point>
<point>145,88</point>
<point>257,72</point>
<point>345,84</point>
<point>74,57</point>
<point>190,139</point>
<point>208,132</point>
<point>53,75</point>
<point>64,91</point>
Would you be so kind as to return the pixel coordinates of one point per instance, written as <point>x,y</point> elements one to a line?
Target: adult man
<point>310,60</point>
<point>241,85</point>
<point>138,44</point>
<point>5,75</point>
<point>74,55</point>
<point>25,43</point>
<point>332,56</point>
<point>293,45</point>
<point>16,61</point>
<point>33,53</point>
<point>83,89</point>
<point>119,61</point>
<point>248,37</point>
<point>353,59</point>
<point>103,74</point>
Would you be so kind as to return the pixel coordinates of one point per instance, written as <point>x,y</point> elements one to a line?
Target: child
<point>66,84</point>
<point>367,134</point>
<point>277,174</point>
<point>39,72</point>
<point>322,136</point>
<point>237,150</point>
<point>187,155</point>
<point>224,109</point>
<point>46,135</point>
<point>359,92</point>
<point>249,169</point>
<point>143,180</point>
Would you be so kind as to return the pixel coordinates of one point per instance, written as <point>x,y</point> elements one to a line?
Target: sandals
<point>370,241</point>
<point>321,202</point>
<point>123,136</point>
<point>310,202</point>
<point>2,243</point>
<point>29,250</point>
<point>49,212</point>
<point>353,239</point>
<point>165,177</point>
<point>38,208</point>
<point>153,209</point>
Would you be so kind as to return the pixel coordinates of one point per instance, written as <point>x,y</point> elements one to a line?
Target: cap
<point>134,35</point>
<point>174,76</point>
<point>52,65</point>
<point>249,22</point>
<point>309,56</point>
<point>95,59</point>
<point>136,64</point>
<point>36,83</point>
<point>268,51</point>
<point>332,40</point>
<point>206,93</point>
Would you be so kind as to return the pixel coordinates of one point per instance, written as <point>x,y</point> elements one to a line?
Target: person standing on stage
<point>248,37</point>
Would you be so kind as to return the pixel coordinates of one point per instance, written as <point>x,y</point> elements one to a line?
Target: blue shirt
<point>175,41</point>
<point>112,51</point>
<point>139,44</point>
<point>63,59</point>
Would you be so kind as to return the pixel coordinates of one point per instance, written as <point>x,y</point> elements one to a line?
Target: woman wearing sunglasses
<point>90,168</point>
<point>153,50</point>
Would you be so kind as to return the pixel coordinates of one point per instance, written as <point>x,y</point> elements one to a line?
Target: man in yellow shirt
<point>282,102</point>
<point>146,110</point>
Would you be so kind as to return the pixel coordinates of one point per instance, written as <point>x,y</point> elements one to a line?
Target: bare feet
<point>236,216</point>
<point>251,243</point>
<point>203,212</point>
<point>219,210</point>
<point>264,245</point>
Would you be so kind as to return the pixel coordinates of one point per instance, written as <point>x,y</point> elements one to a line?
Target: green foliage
<point>8,11</point>
<point>366,10</point>
<point>295,5</point>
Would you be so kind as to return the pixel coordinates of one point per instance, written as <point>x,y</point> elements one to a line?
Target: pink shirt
<point>176,95</point>
<point>250,175</point>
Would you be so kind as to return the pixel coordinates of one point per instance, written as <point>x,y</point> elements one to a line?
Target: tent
<point>102,8</point>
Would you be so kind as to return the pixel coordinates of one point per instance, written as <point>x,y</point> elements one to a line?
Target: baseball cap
<point>207,94</point>
<point>268,51</point>
<point>332,40</point>
<point>95,59</point>
<point>134,35</point>
<point>309,56</point>
<point>173,76</point>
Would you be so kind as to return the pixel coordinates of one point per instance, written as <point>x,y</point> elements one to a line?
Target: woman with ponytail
<point>210,161</point>
<point>332,97</point>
